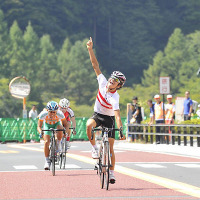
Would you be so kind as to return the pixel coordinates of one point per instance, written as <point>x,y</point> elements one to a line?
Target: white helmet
<point>64,103</point>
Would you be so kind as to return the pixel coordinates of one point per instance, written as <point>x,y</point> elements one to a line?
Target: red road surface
<point>85,183</point>
<point>138,156</point>
<point>78,184</point>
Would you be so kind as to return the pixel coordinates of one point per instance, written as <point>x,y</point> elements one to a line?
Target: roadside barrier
<point>23,130</point>
<point>173,133</point>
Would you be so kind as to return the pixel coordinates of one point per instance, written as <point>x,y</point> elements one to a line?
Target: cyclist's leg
<point>112,153</point>
<point>68,130</point>
<point>47,136</point>
<point>59,135</point>
<point>90,124</point>
<point>46,145</point>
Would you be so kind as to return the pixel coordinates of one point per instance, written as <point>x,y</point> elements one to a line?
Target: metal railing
<point>173,133</point>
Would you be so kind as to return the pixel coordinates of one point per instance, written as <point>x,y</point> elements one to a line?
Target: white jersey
<point>106,102</point>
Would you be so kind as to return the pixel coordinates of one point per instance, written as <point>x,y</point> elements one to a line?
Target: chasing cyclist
<point>51,118</point>
<point>69,115</point>
<point>106,108</point>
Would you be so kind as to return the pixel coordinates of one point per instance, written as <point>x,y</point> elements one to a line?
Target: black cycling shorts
<point>105,121</point>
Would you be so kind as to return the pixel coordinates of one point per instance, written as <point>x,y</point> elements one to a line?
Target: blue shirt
<point>187,103</point>
<point>152,110</point>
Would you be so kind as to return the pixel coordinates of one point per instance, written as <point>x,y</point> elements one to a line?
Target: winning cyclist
<point>51,118</point>
<point>69,114</point>
<point>106,108</point>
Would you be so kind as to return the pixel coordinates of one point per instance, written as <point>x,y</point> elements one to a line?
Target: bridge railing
<point>173,133</point>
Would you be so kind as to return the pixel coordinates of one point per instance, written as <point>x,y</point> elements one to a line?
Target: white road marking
<point>25,167</point>
<point>188,165</point>
<point>9,151</point>
<point>150,166</point>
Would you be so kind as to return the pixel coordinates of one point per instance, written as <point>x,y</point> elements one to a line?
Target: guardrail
<point>168,133</point>
<point>26,129</point>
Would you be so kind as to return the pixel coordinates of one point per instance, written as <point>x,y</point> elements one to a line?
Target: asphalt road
<point>140,174</point>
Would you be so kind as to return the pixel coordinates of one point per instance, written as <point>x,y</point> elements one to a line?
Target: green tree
<point>16,50</point>
<point>81,82</point>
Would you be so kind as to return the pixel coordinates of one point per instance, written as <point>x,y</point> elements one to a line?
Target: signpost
<point>20,88</point>
<point>164,89</point>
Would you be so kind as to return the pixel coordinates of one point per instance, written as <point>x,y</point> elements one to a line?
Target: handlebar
<point>104,129</point>
<point>52,130</point>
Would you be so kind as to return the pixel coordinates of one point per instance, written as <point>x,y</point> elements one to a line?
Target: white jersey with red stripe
<point>106,102</point>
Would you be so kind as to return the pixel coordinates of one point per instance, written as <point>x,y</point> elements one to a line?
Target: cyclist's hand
<point>74,131</point>
<point>123,137</point>
<point>41,134</point>
<point>90,44</point>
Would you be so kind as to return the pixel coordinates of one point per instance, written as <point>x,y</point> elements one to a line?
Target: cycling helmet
<point>64,103</point>
<point>52,106</point>
<point>120,76</point>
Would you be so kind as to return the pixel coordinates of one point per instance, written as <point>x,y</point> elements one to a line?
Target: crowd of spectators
<point>162,113</point>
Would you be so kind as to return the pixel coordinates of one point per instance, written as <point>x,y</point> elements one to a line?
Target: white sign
<point>164,85</point>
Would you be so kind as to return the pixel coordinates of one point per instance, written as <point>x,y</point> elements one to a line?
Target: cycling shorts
<point>105,121</point>
<point>48,126</point>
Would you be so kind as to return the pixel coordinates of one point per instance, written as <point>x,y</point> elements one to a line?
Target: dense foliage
<point>45,41</point>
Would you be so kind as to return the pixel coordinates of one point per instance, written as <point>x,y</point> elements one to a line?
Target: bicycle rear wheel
<point>53,155</point>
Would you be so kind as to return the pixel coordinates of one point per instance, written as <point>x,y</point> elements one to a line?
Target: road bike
<point>62,155</point>
<point>52,148</point>
<point>104,160</point>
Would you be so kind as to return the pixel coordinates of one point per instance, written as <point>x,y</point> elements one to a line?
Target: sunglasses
<point>63,108</point>
<point>115,79</point>
<point>53,112</point>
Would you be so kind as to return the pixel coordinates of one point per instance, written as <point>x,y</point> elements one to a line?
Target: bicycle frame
<point>103,164</point>
<point>52,147</point>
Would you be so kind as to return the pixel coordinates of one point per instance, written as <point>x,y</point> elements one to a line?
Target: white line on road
<point>189,165</point>
<point>150,166</point>
<point>25,167</point>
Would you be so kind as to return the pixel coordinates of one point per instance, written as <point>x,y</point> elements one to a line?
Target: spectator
<point>187,106</point>
<point>198,112</point>
<point>170,110</point>
<point>136,111</point>
<point>159,115</point>
<point>152,112</point>
<point>33,113</point>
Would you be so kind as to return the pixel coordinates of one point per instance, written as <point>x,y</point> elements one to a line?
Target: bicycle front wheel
<point>101,173</point>
<point>53,155</point>
<point>107,165</point>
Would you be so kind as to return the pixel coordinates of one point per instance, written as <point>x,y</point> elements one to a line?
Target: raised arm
<point>93,59</point>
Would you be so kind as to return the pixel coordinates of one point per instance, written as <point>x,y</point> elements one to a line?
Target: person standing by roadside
<point>198,112</point>
<point>187,106</point>
<point>152,111</point>
<point>136,114</point>
<point>33,113</point>
<point>136,110</point>
<point>159,115</point>
<point>170,110</point>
